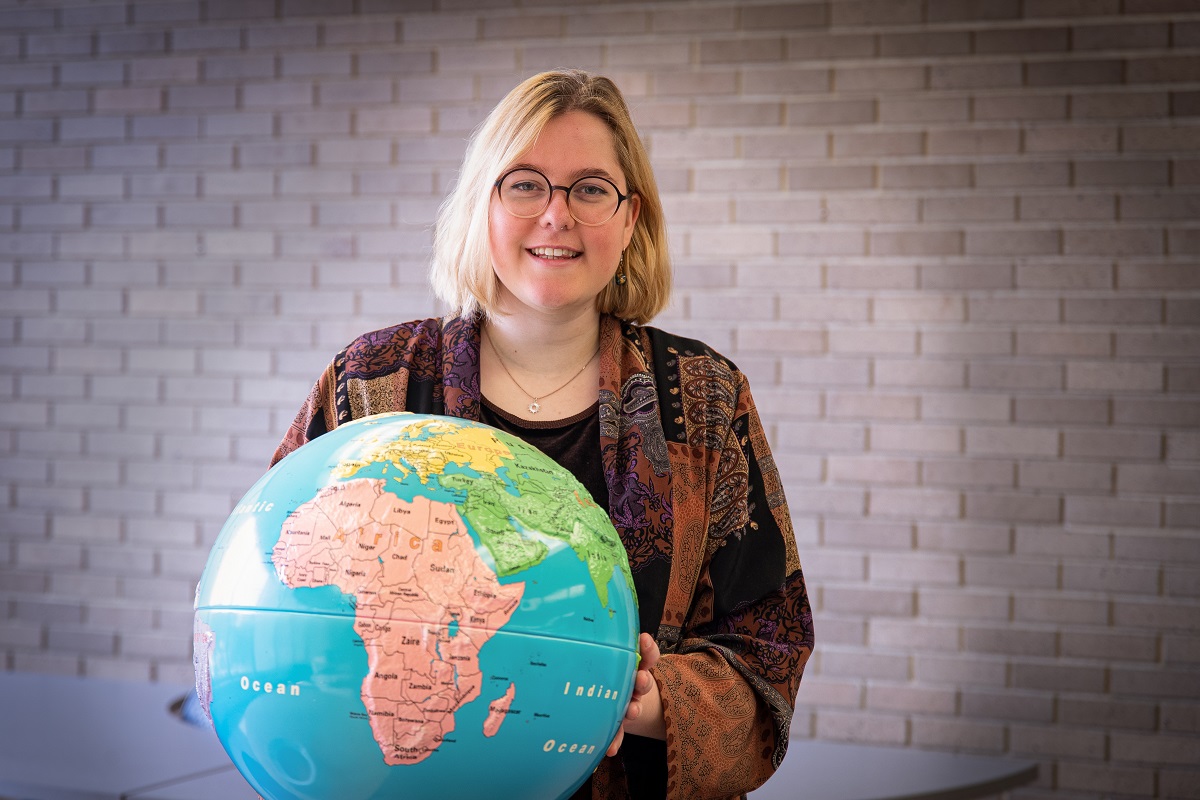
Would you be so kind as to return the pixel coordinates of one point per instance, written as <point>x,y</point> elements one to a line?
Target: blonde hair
<point>461,271</point>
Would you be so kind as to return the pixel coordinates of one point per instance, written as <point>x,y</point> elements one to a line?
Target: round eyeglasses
<point>592,200</point>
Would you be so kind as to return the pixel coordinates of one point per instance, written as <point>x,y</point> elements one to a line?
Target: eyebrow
<point>587,172</point>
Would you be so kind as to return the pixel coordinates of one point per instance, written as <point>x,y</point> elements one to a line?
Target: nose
<point>558,212</point>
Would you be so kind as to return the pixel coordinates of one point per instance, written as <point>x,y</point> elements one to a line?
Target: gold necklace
<point>534,405</point>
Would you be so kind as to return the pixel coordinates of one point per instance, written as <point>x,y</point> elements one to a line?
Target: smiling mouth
<point>554,253</point>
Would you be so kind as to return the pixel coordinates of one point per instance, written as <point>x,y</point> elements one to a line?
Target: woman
<point>551,251</point>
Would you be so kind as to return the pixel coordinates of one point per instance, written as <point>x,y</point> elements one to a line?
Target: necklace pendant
<point>535,407</point>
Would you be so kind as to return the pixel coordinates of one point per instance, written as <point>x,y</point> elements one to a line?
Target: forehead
<point>573,142</point>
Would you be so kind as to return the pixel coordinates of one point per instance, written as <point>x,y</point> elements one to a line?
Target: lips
<point>554,252</point>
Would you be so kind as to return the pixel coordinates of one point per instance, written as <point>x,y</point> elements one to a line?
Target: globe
<point>416,606</point>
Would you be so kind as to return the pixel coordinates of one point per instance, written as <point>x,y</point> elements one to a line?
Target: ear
<point>631,216</point>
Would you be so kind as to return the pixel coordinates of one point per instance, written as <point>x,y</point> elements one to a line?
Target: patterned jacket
<point>697,500</point>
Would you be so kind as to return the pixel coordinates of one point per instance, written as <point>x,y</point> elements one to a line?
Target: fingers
<point>616,742</point>
<point>649,651</point>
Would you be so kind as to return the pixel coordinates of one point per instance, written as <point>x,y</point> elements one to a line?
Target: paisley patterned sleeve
<point>315,416</point>
<point>729,685</point>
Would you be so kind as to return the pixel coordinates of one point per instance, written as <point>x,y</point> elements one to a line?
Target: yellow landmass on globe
<point>429,446</point>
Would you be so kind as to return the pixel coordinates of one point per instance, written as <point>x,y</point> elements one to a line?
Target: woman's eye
<point>591,190</point>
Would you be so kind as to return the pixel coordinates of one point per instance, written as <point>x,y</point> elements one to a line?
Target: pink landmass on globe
<point>425,604</point>
<point>497,710</point>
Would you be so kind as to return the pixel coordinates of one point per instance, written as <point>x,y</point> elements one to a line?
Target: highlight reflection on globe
<point>416,606</point>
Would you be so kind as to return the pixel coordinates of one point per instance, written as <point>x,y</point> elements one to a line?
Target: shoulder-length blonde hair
<point>461,271</point>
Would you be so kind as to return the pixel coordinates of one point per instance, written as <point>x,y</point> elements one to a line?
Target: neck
<point>538,345</point>
<point>538,370</point>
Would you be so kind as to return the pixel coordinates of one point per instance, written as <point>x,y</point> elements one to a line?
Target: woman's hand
<point>644,714</point>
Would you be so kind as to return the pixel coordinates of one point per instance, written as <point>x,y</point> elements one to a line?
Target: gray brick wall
<point>956,245</point>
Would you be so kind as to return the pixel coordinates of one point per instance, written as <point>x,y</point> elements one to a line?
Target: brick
<point>167,126</point>
<point>1156,479</point>
<point>966,473</point>
<point>831,112</point>
<point>930,503</point>
<point>1011,440</point>
<point>1008,705</point>
<point>1012,309</point>
<point>837,726</point>
<point>871,469</point>
<point>738,114</point>
<point>1111,511</point>
<point>1184,104</point>
<point>1119,105</point>
<point>821,372</point>
<point>965,407</point>
<point>1033,341</point>
<point>905,697</point>
<point>1013,375</point>
<point>278,95</point>
<point>981,141</point>
<point>1157,276</point>
<point>831,178</point>
<point>1158,138</point>
<point>131,42</point>
<point>719,241</point>
<point>1012,242</point>
<point>1163,69</point>
<point>924,374</point>
<point>924,110</point>
<point>1014,506</point>
<point>1160,206</point>
<point>738,51</point>
<point>1159,412</point>
<point>354,92</point>
<point>1056,741</point>
<point>92,128</point>
<point>967,342</point>
<point>1021,174</point>
<point>856,78</point>
<point>1153,681</point>
<point>1121,173</point>
<point>924,43</point>
<point>881,143</point>
<point>916,243</point>
<point>848,208</point>
<point>1101,646</point>
<point>1115,376</point>
<point>1063,410</point>
<point>1115,242</point>
<point>986,75</point>
<point>875,12</point>
<point>846,501</point>
<point>1114,310</point>
<point>916,569</point>
<point>1071,139</point>
<point>877,666</point>
<point>164,184</point>
<point>867,600</point>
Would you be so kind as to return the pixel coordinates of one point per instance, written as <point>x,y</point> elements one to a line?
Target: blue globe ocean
<point>416,606</point>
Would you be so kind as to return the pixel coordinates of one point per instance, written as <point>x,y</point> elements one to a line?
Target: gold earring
<point>620,279</point>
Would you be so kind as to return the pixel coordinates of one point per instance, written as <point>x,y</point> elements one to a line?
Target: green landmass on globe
<point>506,524</point>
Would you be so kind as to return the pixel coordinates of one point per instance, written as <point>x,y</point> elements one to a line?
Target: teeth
<point>553,252</point>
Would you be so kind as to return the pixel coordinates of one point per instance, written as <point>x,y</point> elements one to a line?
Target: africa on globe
<point>415,606</point>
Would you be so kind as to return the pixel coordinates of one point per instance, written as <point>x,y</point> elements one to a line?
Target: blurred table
<point>91,739</point>
<point>817,770</point>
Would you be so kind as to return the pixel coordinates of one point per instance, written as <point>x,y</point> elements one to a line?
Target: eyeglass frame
<point>621,198</point>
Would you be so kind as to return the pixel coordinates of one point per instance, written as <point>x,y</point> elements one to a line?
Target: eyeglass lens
<point>591,200</point>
